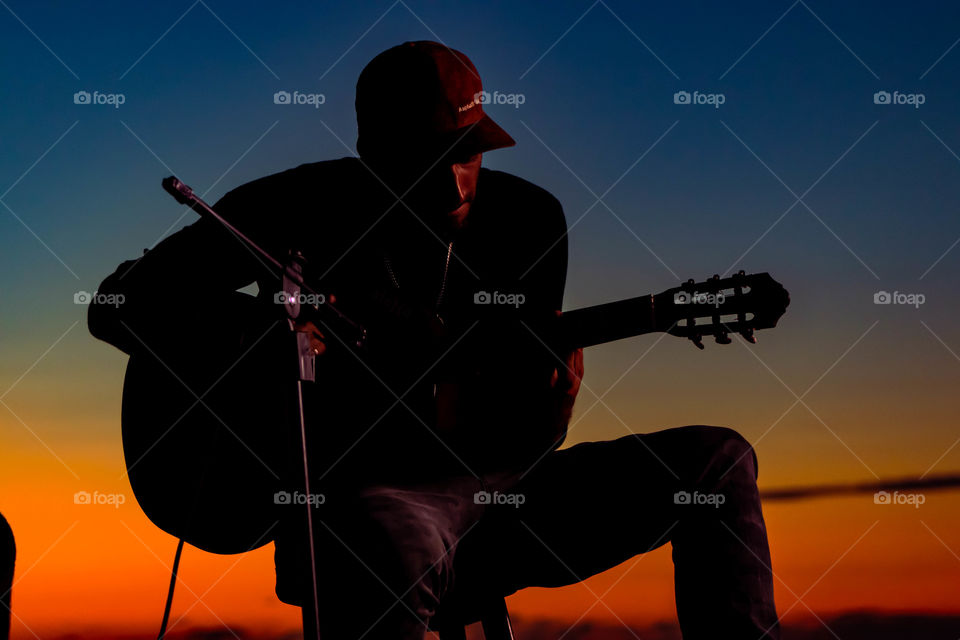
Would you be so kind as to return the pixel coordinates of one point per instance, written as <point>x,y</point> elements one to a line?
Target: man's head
<point>423,130</point>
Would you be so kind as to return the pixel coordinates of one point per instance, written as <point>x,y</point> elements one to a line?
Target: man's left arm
<point>553,381</point>
<point>515,402</point>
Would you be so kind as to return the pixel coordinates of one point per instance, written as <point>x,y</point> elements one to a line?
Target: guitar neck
<point>602,323</point>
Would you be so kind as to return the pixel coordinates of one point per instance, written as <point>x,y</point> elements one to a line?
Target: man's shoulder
<point>349,167</point>
<point>311,175</point>
<point>503,183</point>
<point>505,195</point>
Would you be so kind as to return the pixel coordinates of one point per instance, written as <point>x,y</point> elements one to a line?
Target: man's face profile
<point>439,191</point>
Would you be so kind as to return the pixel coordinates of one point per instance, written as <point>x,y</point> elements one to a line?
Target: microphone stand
<point>293,286</point>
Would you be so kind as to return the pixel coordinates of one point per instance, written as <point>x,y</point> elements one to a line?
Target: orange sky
<point>86,566</point>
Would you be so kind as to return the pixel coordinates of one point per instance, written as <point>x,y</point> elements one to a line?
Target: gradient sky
<point>687,191</point>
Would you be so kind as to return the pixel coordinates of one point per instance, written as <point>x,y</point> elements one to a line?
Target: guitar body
<point>207,471</point>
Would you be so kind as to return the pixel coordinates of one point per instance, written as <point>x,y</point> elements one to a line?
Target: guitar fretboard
<point>608,322</point>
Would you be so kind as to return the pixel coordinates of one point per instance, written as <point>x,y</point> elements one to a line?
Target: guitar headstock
<point>720,306</point>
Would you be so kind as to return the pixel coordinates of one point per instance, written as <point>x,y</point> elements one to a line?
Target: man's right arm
<point>175,287</point>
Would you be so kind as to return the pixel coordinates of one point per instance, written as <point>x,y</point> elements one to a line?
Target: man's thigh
<point>585,509</point>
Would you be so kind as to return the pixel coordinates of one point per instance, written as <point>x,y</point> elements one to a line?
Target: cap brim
<point>482,136</point>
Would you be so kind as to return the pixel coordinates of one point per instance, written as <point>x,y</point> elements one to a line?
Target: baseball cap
<point>425,96</point>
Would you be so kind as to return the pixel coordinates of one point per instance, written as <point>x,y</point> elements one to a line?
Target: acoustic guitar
<point>208,427</point>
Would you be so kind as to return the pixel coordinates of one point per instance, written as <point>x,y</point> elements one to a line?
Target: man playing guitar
<point>441,479</point>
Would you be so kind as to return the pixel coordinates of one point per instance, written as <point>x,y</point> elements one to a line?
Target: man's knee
<point>721,452</point>
<point>709,454</point>
<point>690,453</point>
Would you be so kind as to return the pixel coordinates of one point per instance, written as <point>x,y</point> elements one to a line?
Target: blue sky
<point>696,187</point>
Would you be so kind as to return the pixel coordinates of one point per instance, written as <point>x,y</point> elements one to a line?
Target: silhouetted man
<point>441,477</point>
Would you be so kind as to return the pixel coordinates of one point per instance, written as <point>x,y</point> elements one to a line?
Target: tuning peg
<point>747,335</point>
<point>723,337</point>
<point>697,340</point>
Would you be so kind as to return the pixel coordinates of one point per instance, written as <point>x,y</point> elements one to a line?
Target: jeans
<point>391,558</point>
